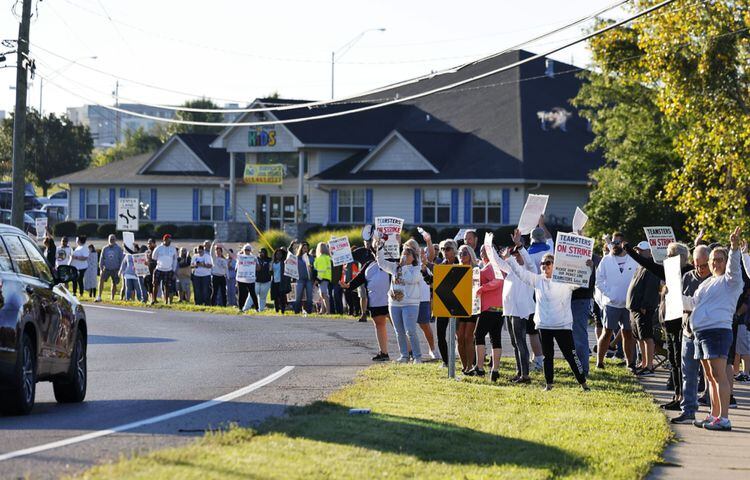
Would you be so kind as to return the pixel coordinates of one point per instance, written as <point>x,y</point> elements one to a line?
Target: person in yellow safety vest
<point>323,267</point>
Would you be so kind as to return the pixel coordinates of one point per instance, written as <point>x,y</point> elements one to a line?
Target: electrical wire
<point>361,94</point>
<point>403,99</point>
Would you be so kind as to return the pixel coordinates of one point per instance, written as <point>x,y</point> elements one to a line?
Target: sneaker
<point>600,366</point>
<point>418,360</point>
<point>585,387</point>
<point>475,372</point>
<point>381,357</point>
<point>673,406</point>
<point>403,359</point>
<point>547,387</point>
<point>704,422</point>
<point>609,354</point>
<point>719,424</point>
<point>732,402</point>
<point>98,300</point>
<point>745,378</point>
<point>683,418</point>
<point>522,381</point>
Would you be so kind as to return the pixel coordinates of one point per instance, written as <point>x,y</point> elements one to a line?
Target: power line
<point>403,99</point>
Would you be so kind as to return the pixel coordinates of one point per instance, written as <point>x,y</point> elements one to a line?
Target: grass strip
<point>426,426</point>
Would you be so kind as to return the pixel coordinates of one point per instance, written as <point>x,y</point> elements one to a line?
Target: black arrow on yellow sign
<point>452,291</point>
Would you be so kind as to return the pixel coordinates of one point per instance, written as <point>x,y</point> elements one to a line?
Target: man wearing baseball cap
<point>165,256</point>
<point>643,303</point>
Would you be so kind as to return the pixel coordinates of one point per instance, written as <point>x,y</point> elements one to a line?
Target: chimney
<point>549,69</point>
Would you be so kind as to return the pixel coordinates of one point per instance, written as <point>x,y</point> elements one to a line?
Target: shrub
<point>203,232</point>
<point>413,232</point>
<point>87,229</point>
<point>65,229</point>
<point>277,238</point>
<point>185,231</point>
<point>354,234</point>
<point>447,233</point>
<point>145,230</point>
<point>165,229</point>
<point>106,229</point>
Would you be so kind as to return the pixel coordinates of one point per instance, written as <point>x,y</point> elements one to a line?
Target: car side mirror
<point>65,274</point>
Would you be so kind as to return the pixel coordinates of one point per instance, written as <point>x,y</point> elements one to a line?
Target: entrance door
<point>274,211</point>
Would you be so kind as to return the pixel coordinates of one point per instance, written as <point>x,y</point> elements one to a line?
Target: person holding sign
<point>247,267</point>
<point>553,316</point>
<point>202,264</point>
<point>713,306</point>
<point>281,284</point>
<point>323,266</point>
<point>491,318</point>
<point>467,326</point>
<point>304,280</point>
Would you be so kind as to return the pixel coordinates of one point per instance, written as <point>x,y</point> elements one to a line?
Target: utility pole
<point>117,113</point>
<point>19,118</point>
<point>41,90</point>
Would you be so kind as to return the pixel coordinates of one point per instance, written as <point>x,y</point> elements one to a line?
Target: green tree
<point>136,143</point>
<point>54,146</point>
<point>212,117</point>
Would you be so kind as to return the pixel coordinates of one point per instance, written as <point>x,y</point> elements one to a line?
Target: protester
<point>425,296</point>
<point>541,244</point>
<point>490,320</point>
<point>281,284</point>
<point>149,279</point>
<point>467,325</point>
<point>109,266</point>
<point>218,276</point>
<point>50,250</point>
<point>165,256</point>
<point>79,259</point>
<point>89,278</point>
<point>323,267</point>
<point>202,264</point>
<point>130,279</point>
<point>553,315</point>
<point>246,284</point>
<point>403,298</point>
<point>643,303</point>
<point>183,275</point>
<point>613,278</point>
<point>262,278</point>
<point>471,239</point>
<point>232,280</point>
<point>449,252</point>
<point>63,253</point>
<point>713,305</point>
<point>305,280</point>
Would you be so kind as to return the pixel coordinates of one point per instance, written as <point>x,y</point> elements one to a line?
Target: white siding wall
<point>320,160</point>
<point>178,158</point>
<point>74,203</point>
<point>174,204</point>
<point>396,155</point>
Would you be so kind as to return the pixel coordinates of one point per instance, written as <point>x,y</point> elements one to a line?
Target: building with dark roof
<point>465,156</point>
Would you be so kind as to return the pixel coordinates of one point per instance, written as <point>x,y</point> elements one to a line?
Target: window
<point>21,261</point>
<point>97,203</point>
<point>351,206</point>
<point>211,204</point>
<point>5,265</point>
<point>144,200</point>
<point>436,206</point>
<point>37,259</point>
<point>486,206</point>
<point>290,160</point>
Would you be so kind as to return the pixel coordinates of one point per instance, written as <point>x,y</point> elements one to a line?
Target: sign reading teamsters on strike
<point>571,254</point>
<point>659,239</point>
<point>272,174</point>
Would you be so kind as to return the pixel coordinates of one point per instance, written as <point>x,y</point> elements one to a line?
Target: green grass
<point>425,426</point>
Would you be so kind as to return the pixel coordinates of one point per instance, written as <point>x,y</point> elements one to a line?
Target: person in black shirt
<point>263,278</point>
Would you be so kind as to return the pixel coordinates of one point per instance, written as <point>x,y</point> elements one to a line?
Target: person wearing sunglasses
<point>553,315</point>
<point>449,256</point>
<point>467,325</point>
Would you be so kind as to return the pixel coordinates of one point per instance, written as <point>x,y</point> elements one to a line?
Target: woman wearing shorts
<point>425,312</point>
<point>377,282</point>
<point>466,326</point>
<point>491,318</point>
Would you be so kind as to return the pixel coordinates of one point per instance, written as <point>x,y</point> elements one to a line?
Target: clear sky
<point>239,50</point>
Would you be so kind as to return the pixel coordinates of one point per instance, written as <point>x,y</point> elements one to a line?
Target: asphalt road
<point>149,363</point>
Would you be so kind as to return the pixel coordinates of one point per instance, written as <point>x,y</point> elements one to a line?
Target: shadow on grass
<point>424,439</point>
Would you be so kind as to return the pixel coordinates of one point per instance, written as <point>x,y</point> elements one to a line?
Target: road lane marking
<point>149,421</point>
<point>118,308</point>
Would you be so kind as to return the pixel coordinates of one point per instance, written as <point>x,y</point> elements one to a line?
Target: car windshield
<point>36,214</point>
<point>27,218</point>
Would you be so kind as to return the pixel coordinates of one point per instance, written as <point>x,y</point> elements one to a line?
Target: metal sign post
<point>452,348</point>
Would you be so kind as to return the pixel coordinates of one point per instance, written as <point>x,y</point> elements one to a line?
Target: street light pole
<point>345,48</point>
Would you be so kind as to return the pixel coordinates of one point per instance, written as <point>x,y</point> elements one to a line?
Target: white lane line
<point>148,421</point>
<point>86,305</point>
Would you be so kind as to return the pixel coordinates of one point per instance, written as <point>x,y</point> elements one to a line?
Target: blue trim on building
<point>467,206</point>
<point>112,206</point>
<point>454,206</point>
<point>82,203</point>
<point>196,204</point>
<point>227,213</point>
<point>123,193</point>
<point>333,200</point>
<point>506,206</point>
<point>417,205</point>
<point>368,205</point>
<point>152,207</point>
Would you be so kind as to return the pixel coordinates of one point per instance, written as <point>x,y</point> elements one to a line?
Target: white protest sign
<point>340,250</point>
<point>673,277</point>
<point>390,226</point>
<point>246,265</point>
<point>127,214</point>
<point>140,262</point>
<point>571,254</point>
<point>658,239</point>
<point>40,224</point>
<point>290,266</point>
<point>579,220</point>
<point>128,239</point>
<point>476,299</point>
<point>532,211</point>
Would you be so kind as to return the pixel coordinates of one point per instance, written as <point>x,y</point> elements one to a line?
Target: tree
<point>135,143</point>
<point>54,146</point>
<point>213,117</point>
<point>690,60</point>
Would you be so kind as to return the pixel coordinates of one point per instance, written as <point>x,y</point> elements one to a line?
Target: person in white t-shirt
<point>202,264</point>
<point>165,256</point>
<point>62,256</point>
<point>79,259</point>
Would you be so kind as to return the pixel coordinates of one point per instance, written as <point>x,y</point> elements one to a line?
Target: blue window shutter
<point>196,205</point>
<point>227,213</point>
<point>417,205</point>
<point>333,200</point>
<point>112,206</point>
<point>454,206</point>
<point>152,208</point>
<point>81,203</point>
<point>123,193</point>
<point>368,205</point>
<point>506,206</point>
<point>467,205</point>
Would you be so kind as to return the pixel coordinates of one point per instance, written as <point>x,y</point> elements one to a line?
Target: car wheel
<point>72,388</point>
<point>20,398</point>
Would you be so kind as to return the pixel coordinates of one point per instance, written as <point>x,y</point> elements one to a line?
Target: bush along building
<point>465,156</point>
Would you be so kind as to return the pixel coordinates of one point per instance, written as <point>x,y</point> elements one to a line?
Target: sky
<point>235,51</point>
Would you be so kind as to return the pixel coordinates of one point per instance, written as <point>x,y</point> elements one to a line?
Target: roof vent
<point>549,68</point>
<point>427,117</point>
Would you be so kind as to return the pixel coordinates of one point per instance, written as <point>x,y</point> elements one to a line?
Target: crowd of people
<point>705,349</point>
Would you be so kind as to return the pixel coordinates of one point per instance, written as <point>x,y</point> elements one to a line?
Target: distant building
<point>103,122</point>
